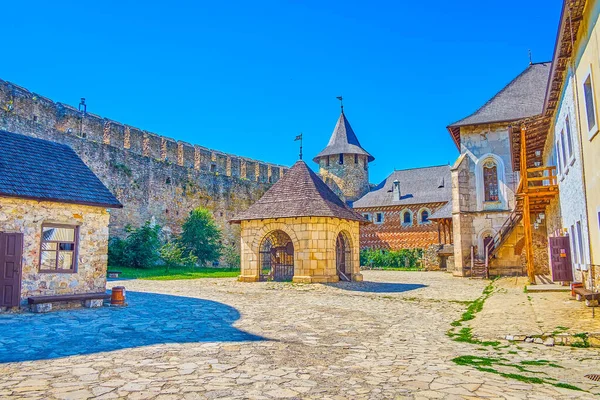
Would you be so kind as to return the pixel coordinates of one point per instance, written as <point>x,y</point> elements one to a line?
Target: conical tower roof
<point>299,193</point>
<point>343,141</point>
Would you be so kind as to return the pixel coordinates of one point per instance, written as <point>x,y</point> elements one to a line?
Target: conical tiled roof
<point>343,141</point>
<point>299,193</point>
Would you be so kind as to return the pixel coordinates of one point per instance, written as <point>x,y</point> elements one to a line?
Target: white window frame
<point>367,216</point>
<point>502,203</point>
<point>377,214</point>
<point>570,139</point>
<point>591,131</point>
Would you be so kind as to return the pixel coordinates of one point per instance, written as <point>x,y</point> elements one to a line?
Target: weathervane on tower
<point>341,99</point>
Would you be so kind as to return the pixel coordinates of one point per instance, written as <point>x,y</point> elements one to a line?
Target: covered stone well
<point>300,230</point>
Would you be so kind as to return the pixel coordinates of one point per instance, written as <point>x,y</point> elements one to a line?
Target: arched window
<point>490,181</point>
<point>424,216</point>
<point>406,217</point>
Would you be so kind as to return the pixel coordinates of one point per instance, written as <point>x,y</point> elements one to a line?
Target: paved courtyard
<point>217,338</point>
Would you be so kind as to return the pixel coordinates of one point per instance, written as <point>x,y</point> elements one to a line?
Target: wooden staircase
<point>504,232</point>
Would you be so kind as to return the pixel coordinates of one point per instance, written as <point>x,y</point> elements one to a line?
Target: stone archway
<point>276,257</point>
<point>343,257</point>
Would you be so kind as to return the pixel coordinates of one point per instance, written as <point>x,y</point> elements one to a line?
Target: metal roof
<point>417,186</point>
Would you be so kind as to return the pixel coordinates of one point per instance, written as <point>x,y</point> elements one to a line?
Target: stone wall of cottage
<point>27,217</point>
<point>154,177</point>
<point>314,240</point>
<point>350,180</point>
<point>393,233</point>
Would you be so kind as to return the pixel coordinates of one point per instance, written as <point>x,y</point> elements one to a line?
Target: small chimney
<point>396,190</point>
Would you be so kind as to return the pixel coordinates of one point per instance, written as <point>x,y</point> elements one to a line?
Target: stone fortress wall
<point>155,177</point>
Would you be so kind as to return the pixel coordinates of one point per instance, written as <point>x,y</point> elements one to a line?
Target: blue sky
<point>247,77</point>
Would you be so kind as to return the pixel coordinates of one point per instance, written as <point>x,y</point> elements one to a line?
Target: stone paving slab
<point>512,311</point>
<point>218,338</point>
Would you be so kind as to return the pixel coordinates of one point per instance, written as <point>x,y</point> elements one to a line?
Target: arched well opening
<point>276,257</point>
<point>343,257</point>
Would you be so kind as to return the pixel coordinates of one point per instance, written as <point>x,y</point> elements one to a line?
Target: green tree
<point>231,256</point>
<point>141,246</point>
<point>201,236</point>
<point>174,255</point>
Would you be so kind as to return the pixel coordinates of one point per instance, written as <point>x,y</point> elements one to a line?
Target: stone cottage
<point>300,230</point>
<point>53,224</point>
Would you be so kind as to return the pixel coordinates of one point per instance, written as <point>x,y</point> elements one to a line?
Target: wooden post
<point>526,209</point>
<point>439,231</point>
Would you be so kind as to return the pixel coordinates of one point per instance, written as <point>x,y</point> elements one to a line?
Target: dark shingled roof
<point>522,97</point>
<point>444,212</point>
<point>343,141</point>
<point>299,193</point>
<point>417,186</point>
<point>37,169</point>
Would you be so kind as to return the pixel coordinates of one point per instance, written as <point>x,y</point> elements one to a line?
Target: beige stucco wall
<point>588,61</point>
<point>314,240</point>
<point>27,217</point>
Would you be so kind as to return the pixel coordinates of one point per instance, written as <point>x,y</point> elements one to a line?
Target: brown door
<point>560,259</point>
<point>11,249</point>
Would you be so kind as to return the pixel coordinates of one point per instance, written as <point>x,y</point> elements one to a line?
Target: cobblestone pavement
<point>385,338</point>
<point>511,311</point>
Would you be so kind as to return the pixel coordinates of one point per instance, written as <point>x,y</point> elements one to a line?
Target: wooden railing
<point>542,177</point>
<point>503,233</point>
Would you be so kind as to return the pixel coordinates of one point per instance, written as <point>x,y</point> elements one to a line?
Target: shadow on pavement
<point>377,287</point>
<point>148,319</point>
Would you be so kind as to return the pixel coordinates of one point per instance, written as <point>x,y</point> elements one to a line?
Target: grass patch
<point>488,364</point>
<point>525,290</point>
<point>159,274</point>
<point>465,335</point>
<point>567,386</point>
<point>559,329</point>
<point>583,343</point>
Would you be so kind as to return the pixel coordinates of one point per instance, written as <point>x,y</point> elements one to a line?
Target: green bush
<point>231,256</point>
<point>139,249</point>
<point>377,258</point>
<point>201,236</point>
<point>174,255</point>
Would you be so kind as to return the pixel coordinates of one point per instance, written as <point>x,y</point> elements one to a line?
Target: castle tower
<point>344,164</point>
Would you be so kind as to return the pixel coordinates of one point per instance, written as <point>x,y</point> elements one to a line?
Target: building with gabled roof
<point>53,225</point>
<point>486,220</point>
<point>300,230</point>
<point>401,208</point>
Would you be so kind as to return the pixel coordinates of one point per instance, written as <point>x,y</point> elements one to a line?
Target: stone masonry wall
<point>27,217</point>
<point>350,180</point>
<point>154,177</point>
<point>471,220</point>
<point>314,240</point>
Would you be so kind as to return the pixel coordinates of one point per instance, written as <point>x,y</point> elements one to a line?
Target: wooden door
<point>560,259</point>
<point>11,250</point>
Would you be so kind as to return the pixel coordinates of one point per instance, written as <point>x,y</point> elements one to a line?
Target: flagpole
<point>301,146</point>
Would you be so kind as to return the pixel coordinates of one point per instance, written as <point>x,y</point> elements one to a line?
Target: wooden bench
<point>591,298</point>
<point>41,304</point>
